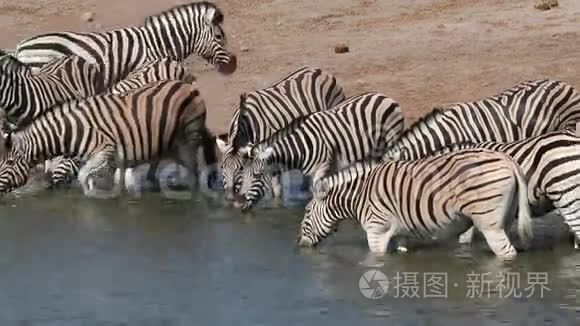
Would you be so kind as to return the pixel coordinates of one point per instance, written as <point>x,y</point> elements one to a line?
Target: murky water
<point>68,260</point>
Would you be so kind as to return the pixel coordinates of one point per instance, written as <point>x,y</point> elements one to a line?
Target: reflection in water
<point>69,260</point>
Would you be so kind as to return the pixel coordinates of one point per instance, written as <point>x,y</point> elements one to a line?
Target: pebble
<point>341,48</point>
<point>244,49</point>
<point>88,17</point>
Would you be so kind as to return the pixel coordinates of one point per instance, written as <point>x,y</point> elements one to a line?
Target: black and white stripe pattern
<point>551,164</point>
<point>165,119</point>
<point>152,72</point>
<point>360,127</point>
<point>24,95</point>
<point>176,33</point>
<point>261,113</point>
<point>435,197</point>
<point>528,109</point>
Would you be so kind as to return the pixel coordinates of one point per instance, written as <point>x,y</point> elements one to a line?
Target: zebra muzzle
<point>228,68</point>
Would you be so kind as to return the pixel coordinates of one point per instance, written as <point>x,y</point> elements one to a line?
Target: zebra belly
<point>445,230</point>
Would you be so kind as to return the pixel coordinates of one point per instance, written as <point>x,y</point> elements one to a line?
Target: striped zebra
<point>551,165</point>
<point>64,171</point>
<point>24,95</point>
<point>360,127</point>
<point>528,109</point>
<point>435,197</point>
<point>166,119</point>
<point>176,33</point>
<point>261,113</point>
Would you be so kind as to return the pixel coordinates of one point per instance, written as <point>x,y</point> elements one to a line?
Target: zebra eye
<point>10,161</point>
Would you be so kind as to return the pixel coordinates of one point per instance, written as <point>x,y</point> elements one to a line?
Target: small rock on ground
<point>341,48</point>
<point>546,4</point>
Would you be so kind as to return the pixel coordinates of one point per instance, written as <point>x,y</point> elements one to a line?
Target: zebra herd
<point>91,106</point>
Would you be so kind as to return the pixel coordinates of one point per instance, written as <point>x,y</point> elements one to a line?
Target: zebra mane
<point>218,16</point>
<point>450,148</point>
<point>9,64</point>
<point>424,120</point>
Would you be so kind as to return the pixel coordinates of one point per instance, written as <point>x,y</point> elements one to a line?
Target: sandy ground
<point>420,52</point>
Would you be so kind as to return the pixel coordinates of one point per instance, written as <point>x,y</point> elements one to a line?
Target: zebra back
<point>528,109</point>
<point>155,71</point>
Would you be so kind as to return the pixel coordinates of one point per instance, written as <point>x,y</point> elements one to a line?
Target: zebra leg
<point>491,225</point>
<point>100,161</point>
<point>379,236</point>
<point>276,186</point>
<point>568,206</point>
<point>467,236</point>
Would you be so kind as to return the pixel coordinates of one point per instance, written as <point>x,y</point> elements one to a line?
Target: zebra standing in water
<point>360,127</point>
<point>176,34</point>
<point>528,109</point>
<point>551,164</point>
<point>165,119</point>
<point>261,113</point>
<point>65,170</point>
<point>438,196</point>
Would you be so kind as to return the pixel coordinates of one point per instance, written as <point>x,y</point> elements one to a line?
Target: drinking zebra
<point>434,197</point>
<point>166,119</point>
<point>176,33</point>
<point>65,171</point>
<point>261,113</point>
<point>528,109</point>
<point>362,126</point>
<point>551,165</point>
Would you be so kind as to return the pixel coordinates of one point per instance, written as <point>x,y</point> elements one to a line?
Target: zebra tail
<point>525,231</point>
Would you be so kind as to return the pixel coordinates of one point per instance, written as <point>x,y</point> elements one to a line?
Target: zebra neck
<point>348,196</point>
<point>39,144</point>
<point>13,99</point>
<point>169,48</point>
<point>287,156</point>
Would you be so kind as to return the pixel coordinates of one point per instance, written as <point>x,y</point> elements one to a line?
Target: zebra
<point>24,95</point>
<point>360,127</point>
<point>261,113</point>
<point>175,33</point>
<point>528,109</point>
<point>64,171</point>
<point>434,197</point>
<point>551,165</point>
<point>165,119</point>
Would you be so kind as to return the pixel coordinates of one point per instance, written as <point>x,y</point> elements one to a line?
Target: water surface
<point>69,260</point>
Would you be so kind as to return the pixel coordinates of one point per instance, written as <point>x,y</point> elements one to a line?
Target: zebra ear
<point>320,189</point>
<point>221,144</point>
<point>214,16</point>
<point>266,154</point>
<point>246,150</point>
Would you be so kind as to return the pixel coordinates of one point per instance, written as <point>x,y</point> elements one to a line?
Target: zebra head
<point>257,176</point>
<point>317,223</point>
<point>233,162</point>
<point>14,167</point>
<point>198,29</point>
